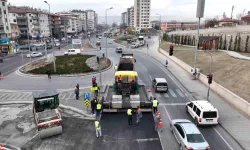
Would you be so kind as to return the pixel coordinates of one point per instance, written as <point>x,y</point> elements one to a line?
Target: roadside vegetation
<point>229,72</point>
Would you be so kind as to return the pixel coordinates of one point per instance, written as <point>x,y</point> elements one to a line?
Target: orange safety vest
<point>160,124</point>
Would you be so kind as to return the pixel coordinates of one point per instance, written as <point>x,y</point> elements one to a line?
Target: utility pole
<point>210,73</point>
<point>65,30</point>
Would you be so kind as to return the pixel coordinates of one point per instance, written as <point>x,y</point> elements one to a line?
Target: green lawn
<point>66,65</point>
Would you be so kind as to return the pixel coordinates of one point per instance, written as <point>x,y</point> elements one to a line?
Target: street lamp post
<point>51,34</point>
<point>107,33</point>
<point>159,31</point>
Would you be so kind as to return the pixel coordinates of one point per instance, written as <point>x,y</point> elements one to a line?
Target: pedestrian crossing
<point>27,96</point>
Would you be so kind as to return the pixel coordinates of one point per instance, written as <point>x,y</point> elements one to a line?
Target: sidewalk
<point>236,123</point>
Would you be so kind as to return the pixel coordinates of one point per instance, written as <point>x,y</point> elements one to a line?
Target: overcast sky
<point>181,10</point>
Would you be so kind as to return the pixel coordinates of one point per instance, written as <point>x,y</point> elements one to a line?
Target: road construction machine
<point>46,115</point>
<point>126,92</point>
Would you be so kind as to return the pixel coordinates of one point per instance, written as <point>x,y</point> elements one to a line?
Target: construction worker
<point>77,91</point>
<point>138,115</point>
<point>116,67</point>
<point>98,110</point>
<point>93,105</point>
<point>98,128</point>
<point>129,112</point>
<point>155,105</point>
<point>159,125</point>
<point>157,118</point>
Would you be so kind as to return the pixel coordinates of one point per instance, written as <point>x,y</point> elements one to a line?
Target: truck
<point>47,117</point>
<point>126,92</point>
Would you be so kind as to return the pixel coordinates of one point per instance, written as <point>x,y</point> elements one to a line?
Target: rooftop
<point>205,105</point>
<point>190,128</point>
<point>226,20</point>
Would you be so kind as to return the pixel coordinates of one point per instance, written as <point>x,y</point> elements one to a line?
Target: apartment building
<point>32,21</point>
<point>174,25</point>
<point>72,23</point>
<point>124,18</point>
<point>57,25</point>
<point>130,13</point>
<point>82,19</point>
<point>96,20</point>
<point>90,20</point>
<point>5,28</point>
<point>142,14</point>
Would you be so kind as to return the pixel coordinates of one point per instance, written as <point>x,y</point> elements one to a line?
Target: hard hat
<point>149,90</point>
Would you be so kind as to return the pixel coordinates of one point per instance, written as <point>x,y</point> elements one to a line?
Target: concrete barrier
<point>229,96</point>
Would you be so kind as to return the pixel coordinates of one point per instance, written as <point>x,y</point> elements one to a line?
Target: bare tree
<point>239,15</point>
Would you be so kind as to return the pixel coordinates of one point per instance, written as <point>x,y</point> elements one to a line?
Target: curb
<point>75,75</point>
<point>87,116</point>
<point>11,147</point>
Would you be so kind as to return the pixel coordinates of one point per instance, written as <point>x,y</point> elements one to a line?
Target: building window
<point>6,20</point>
<point>30,20</point>
<point>14,20</point>
<point>3,3</point>
<point>14,14</point>
<point>7,28</point>
<point>29,14</point>
<point>4,11</point>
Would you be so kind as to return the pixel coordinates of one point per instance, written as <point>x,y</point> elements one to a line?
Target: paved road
<point>172,103</point>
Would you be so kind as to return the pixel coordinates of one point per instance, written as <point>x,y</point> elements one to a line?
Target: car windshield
<point>195,138</point>
<point>162,84</point>
<point>210,114</point>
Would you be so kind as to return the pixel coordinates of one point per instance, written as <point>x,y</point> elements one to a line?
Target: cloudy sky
<point>182,10</point>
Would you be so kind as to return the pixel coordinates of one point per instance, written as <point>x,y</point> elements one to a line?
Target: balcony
<point>2,31</point>
<point>21,17</point>
<point>35,17</point>
<point>22,23</point>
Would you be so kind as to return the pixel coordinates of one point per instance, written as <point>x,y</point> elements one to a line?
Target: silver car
<point>188,135</point>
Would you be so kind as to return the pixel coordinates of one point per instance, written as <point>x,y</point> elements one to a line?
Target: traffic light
<point>210,78</point>
<point>171,50</point>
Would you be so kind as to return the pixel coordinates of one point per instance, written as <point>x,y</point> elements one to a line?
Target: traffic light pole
<point>209,74</point>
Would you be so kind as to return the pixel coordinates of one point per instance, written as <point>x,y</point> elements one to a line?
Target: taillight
<point>188,148</point>
<point>200,119</point>
<point>208,148</point>
<point>217,118</point>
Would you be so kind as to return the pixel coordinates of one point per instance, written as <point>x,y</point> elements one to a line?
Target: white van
<point>203,112</point>
<point>160,85</point>
<point>72,52</point>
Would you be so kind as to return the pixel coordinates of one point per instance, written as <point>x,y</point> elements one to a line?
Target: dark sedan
<point>49,46</point>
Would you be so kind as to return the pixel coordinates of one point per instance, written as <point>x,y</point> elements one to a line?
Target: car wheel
<point>186,109</point>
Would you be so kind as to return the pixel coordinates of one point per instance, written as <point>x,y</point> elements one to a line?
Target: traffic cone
<point>2,77</point>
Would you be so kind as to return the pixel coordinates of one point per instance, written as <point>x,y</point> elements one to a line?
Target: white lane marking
<point>172,92</point>
<point>222,138</point>
<point>71,95</point>
<point>144,68</point>
<point>179,92</point>
<point>172,104</point>
<point>29,97</point>
<point>2,95</point>
<point>149,139</point>
<point>167,113</point>
<point>157,95</point>
<point>22,96</point>
<point>165,95</point>
<point>12,96</point>
<point>64,95</point>
<point>26,96</point>
<point>150,77</point>
<point>16,96</point>
<point>5,96</point>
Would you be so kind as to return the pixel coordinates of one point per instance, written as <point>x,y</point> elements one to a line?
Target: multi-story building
<point>174,25</point>
<point>5,28</point>
<point>72,25</point>
<point>96,20</point>
<point>130,12</point>
<point>142,14</point>
<point>124,19</point>
<point>90,20</point>
<point>15,32</point>
<point>34,22</point>
<point>82,18</point>
<point>57,25</point>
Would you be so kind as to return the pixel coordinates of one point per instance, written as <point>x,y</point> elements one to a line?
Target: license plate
<point>209,120</point>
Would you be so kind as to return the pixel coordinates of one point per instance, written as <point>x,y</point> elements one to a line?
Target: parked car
<point>203,112</point>
<point>1,59</point>
<point>57,44</point>
<point>73,52</point>
<point>49,46</point>
<point>188,135</point>
<point>34,54</point>
<point>160,85</point>
<point>110,42</point>
<point>100,37</point>
<point>39,44</point>
<point>118,50</point>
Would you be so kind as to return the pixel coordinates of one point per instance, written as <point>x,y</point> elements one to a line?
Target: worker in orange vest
<point>159,126</point>
<point>138,115</point>
<point>157,119</point>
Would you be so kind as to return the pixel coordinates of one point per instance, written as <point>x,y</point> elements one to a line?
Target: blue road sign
<point>86,96</point>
